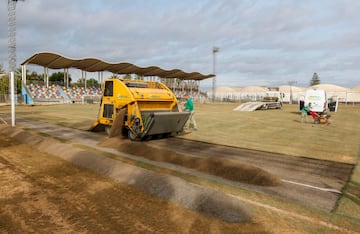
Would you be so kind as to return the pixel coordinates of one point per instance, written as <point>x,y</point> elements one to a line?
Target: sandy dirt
<point>42,193</point>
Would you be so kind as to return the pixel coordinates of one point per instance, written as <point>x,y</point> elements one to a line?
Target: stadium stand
<point>55,93</point>
<point>74,92</point>
<point>61,94</point>
<point>43,92</point>
<point>94,91</point>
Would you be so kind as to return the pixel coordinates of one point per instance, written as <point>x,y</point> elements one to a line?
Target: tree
<point>315,79</point>
<point>80,82</point>
<point>58,78</point>
<point>18,80</point>
<point>127,77</point>
<point>5,82</point>
<point>138,77</point>
<point>114,75</point>
<point>92,83</point>
<point>33,77</point>
<point>4,85</point>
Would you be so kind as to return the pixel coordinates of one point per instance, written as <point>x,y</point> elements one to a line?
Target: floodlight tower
<point>215,50</point>
<point>12,35</point>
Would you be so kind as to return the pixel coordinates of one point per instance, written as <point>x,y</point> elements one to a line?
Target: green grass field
<point>281,131</point>
<point>277,131</point>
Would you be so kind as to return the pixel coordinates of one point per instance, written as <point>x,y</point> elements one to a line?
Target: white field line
<point>295,215</point>
<point>314,187</point>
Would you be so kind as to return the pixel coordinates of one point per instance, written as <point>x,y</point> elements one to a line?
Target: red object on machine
<point>319,118</point>
<point>314,114</point>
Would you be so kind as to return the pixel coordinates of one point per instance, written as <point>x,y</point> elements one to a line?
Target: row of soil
<point>216,166</point>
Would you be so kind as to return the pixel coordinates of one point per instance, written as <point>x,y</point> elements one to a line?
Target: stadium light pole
<point>12,37</point>
<point>214,51</point>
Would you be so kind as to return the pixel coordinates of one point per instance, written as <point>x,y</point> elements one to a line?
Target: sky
<point>267,42</point>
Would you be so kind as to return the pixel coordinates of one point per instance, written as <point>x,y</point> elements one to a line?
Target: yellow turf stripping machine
<point>139,109</point>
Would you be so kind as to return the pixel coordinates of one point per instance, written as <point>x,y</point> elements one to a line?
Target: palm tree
<point>315,79</point>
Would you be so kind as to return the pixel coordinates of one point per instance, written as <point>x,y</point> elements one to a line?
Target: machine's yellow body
<point>139,109</point>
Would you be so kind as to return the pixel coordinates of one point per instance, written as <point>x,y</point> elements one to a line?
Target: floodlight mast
<point>12,36</point>
<point>214,50</point>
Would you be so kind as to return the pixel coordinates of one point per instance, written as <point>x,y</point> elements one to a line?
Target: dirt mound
<point>6,142</point>
<point>44,194</point>
<point>204,200</point>
<point>214,166</point>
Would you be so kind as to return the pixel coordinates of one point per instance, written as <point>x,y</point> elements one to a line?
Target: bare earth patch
<point>41,193</point>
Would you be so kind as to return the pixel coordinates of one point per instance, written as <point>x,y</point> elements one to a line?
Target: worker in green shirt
<point>304,112</point>
<point>189,106</point>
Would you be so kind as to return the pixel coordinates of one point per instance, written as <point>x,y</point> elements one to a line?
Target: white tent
<point>295,91</point>
<point>223,93</point>
<point>253,93</point>
<point>257,93</point>
<point>357,88</point>
<point>334,91</point>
